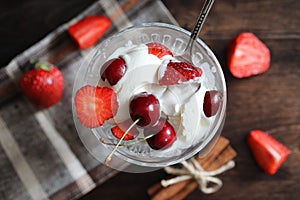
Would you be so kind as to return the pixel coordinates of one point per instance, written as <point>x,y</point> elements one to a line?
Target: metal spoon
<point>186,55</point>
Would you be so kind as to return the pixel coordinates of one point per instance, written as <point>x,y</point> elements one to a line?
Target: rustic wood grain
<point>269,101</point>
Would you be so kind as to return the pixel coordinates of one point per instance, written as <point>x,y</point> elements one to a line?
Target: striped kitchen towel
<point>41,155</point>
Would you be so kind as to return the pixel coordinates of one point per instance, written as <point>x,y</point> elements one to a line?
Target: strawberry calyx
<point>43,65</point>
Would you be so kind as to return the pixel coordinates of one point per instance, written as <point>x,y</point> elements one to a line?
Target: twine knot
<point>192,170</point>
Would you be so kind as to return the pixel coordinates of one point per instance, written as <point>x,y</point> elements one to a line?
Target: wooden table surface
<point>269,101</point>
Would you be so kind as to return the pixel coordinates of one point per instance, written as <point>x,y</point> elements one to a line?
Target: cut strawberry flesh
<point>94,105</point>
<point>178,72</point>
<point>267,151</point>
<point>89,30</point>
<point>247,56</point>
<point>119,130</point>
<point>158,49</point>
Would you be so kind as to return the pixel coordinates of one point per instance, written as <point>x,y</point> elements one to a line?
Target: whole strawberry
<point>43,85</point>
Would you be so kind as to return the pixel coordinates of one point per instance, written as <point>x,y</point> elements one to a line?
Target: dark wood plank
<point>269,102</point>
<point>274,19</point>
<point>23,23</point>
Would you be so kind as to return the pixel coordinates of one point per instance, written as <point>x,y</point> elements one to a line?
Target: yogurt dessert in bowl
<point>135,101</point>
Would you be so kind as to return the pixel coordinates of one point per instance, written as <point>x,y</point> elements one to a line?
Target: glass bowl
<point>140,157</point>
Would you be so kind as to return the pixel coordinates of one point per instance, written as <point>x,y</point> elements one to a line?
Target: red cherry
<point>113,70</point>
<point>212,101</point>
<point>164,137</point>
<point>146,108</point>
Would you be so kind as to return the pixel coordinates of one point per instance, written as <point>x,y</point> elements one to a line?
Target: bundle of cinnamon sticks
<point>219,155</point>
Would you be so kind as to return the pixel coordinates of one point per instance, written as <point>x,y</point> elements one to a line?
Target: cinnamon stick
<point>216,150</point>
<point>225,156</point>
<point>169,191</point>
<point>190,187</point>
<point>157,187</point>
<point>154,189</point>
<point>220,154</point>
<point>205,161</point>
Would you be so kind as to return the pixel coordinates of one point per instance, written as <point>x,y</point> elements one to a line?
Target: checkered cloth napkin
<point>41,155</point>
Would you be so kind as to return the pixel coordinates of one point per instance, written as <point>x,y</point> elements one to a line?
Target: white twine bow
<point>192,170</point>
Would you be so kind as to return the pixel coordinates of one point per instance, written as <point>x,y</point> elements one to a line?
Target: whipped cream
<point>140,76</point>
<point>193,118</point>
<point>175,96</point>
<point>181,103</point>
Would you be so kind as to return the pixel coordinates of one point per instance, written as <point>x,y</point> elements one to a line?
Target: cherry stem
<point>129,143</point>
<point>108,158</point>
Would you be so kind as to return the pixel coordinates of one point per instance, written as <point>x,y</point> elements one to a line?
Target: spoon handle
<point>201,18</point>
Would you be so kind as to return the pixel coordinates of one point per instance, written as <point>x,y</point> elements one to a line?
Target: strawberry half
<point>94,105</point>
<point>118,131</point>
<point>158,49</point>
<point>178,72</point>
<point>247,56</point>
<point>43,85</point>
<point>88,31</point>
<point>267,151</point>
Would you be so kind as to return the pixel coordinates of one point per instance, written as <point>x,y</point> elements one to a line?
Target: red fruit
<point>94,105</point>
<point>146,108</point>
<point>158,49</point>
<point>43,85</point>
<point>88,31</point>
<point>164,135</point>
<point>267,151</point>
<point>211,104</point>
<point>118,131</point>
<point>113,70</point>
<point>178,72</point>
<point>247,56</point>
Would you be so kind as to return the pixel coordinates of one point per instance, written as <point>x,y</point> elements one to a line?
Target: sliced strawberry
<point>267,151</point>
<point>158,49</point>
<point>118,131</point>
<point>247,56</point>
<point>88,31</point>
<point>178,72</point>
<point>94,105</point>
